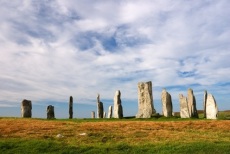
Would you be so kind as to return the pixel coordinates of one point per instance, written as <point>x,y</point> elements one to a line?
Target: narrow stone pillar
<point>71,107</point>
<point>110,112</point>
<point>192,104</point>
<point>50,112</point>
<point>26,109</point>
<point>100,108</point>
<point>93,114</point>
<point>104,115</point>
<point>211,107</point>
<point>145,100</point>
<point>166,100</point>
<point>117,110</point>
<point>184,109</point>
<point>204,103</point>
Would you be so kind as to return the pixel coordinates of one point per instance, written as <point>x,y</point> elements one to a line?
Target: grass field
<point>163,135</point>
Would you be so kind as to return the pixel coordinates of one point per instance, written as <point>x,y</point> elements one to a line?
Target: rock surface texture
<point>100,108</point>
<point>110,112</point>
<point>211,107</point>
<point>104,115</point>
<point>71,107</point>
<point>166,100</point>
<point>26,108</point>
<point>145,100</point>
<point>192,104</point>
<point>204,103</point>
<point>50,112</point>
<point>93,114</point>
<point>117,110</point>
<point>184,109</point>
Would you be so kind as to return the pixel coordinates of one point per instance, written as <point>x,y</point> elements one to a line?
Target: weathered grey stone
<point>117,110</point>
<point>145,100</point>
<point>110,112</point>
<point>184,109</point>
<point>204,103</point>
<point>104,115</point>
<point>100,108</point>
<point>211,107</point>
<point>166,100</point>
<point>192,104</point>
<point>50,112</point>
<point>26,108</point>
<point>93,114</point>
<point>71,107</point>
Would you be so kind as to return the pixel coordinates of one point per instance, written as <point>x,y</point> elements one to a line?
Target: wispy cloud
<point>53,49</point>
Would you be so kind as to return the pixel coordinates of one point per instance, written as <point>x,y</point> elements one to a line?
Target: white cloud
<point>50,50</point>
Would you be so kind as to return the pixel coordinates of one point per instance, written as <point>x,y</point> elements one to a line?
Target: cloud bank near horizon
<point>53,49</point>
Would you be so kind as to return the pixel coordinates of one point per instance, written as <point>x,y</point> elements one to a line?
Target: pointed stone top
<point>98,98</point>
<point>118,92</point>
<point>71,99</point>
<point>181,95</point>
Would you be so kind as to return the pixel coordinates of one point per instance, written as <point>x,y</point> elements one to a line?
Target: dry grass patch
<point>132,132</point>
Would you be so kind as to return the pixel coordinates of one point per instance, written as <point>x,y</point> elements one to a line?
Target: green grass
<point>9,146</point>
<point>224,115</point>
<point>127,135</point>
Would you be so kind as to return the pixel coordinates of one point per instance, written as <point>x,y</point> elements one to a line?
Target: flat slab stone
<point>145,100</point>
<point>166,100</point>
<point>184,109</point>
<point>211,107</point>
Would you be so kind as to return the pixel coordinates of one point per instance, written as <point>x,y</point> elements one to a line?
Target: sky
<point>53,49</point>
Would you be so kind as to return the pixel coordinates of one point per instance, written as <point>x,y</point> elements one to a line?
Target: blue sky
<point>53,49</point>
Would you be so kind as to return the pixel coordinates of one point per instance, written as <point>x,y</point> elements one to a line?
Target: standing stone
<point>192,104</point>
<point>145,100</point>
<point>26,108</point>
<point>110,112</point>
<point>93,114</point>
<point>104,115</point>
<point>118,110</point>
<point>211,107</point>
<point>166,100</point>
<point>204,103</point>
<point>71,107</point>
<point>100,109</point>
<point>184,109</point>
<point>50,112</point>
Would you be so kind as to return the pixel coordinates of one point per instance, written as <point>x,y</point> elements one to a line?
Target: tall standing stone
<point>211,107</point>
<point>100,108</point>
<point>71,107</point>
<point>204,103</point>
<point>117,110</point>
<point>166,100</point>
<point>184,109</point>
<point>104,115</point>
<point>192,104</point>
<point>93,114</point>
<point>50,112</point>
<point>110,112</point>
<point>145,100</point>
<point>26,108</point>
